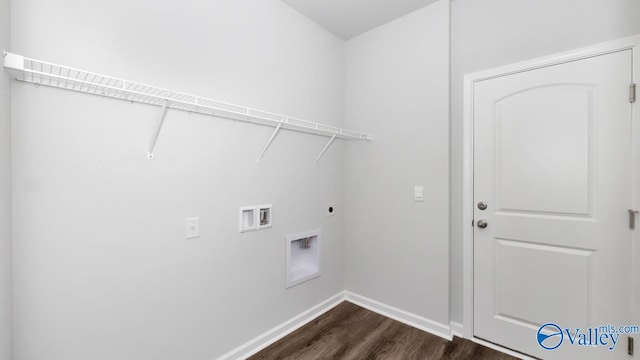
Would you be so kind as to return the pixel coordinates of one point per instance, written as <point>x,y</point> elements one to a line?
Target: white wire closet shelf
<point>59,76</point>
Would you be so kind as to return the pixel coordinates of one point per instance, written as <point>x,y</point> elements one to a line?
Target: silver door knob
<point>482,224</point>
<point>482,205</point>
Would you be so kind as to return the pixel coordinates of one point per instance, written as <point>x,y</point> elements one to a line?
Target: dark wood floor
<point>350,332</point>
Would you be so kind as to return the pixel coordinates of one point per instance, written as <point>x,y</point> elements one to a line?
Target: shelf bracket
<point>325,148</point>
<point>266,147</point>
<point>158,128</point>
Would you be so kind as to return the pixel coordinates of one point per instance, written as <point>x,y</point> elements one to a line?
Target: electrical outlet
<point>193,227</point>
<point>418,193</point>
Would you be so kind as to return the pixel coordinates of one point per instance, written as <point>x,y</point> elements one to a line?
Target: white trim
<point>456,329</point>
<point>467,210</point>
<point>269,337</point>
<point>260,342</point>
<point>635,243</point>
<point>495,347</point>
<point>632,42</point>
<point>555,59</point>
<point>400,315</point>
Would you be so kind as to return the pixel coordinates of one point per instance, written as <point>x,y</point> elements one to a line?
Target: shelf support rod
<point>325,148</point>
<point>266,147</point>
<point>158,128</point>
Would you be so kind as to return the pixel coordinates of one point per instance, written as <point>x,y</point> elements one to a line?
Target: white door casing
<point>556,173</point>
<point>635,241</point>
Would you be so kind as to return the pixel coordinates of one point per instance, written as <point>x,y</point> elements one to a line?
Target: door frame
<point>629,43</point>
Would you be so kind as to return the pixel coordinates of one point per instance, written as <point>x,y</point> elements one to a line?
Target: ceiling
<point>349,18</point>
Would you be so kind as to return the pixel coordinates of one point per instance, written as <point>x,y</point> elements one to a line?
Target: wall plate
<point>256,217</point>
<point>192,227</point>
<point>248,218</point>
<point>265,218</point>
<point>302,261</point>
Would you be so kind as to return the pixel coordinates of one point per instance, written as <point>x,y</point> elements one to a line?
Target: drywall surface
<point>397,87</point>
<point>487,34</point>
<point>5,192</point>
<point>102,266</point>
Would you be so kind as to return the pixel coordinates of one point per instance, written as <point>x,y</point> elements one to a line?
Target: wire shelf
<point>48,74</point>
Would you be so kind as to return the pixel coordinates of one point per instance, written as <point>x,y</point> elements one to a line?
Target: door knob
<point>482,224</point>
<point>482,205</point>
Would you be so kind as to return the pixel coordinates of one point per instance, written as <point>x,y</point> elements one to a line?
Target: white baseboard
<point>402,316</point>
<point>262,341</point>
<point>502,349</point>
<point>456,329</point>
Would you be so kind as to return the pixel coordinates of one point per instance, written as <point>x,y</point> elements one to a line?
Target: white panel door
<point>552,162</point>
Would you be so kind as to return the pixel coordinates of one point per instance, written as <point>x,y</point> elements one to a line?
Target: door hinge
<point>632,218</point>
<point>630,345</point>
<point>632,93</point>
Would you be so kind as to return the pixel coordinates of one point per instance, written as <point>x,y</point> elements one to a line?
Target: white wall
<point>100,262</point>
<point>5,192</point>
<point>490,33</point>
<point>397,89</point>
<point>102,269</point>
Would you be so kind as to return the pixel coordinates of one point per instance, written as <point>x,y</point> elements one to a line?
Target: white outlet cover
<point>418,193</point>
<point>192,227</point>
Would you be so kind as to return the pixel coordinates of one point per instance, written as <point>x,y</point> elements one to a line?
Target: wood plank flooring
<point>350,332</point>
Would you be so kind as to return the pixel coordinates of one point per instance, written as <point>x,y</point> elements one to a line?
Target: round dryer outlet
<point>331,209</point>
